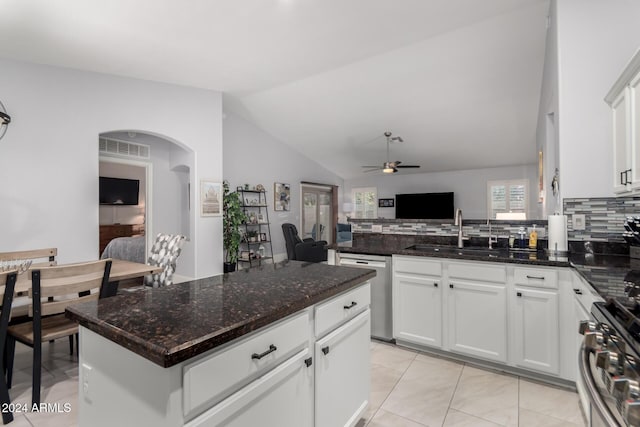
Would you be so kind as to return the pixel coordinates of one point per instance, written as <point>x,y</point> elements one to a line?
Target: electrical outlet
<point>376,228</point>
<point>578,221</point>
<point>86,376</point>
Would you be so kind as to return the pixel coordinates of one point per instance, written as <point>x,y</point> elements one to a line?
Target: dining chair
<point>164,253</point>
<point>53,289</point>
<point>7,290</point>
<point>37,258</point>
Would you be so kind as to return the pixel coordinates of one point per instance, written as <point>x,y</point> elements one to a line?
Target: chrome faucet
<point>492,240</point>
<point>458,221</point>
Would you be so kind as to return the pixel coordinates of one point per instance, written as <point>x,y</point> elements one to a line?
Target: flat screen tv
<point>424,206</point>
<point>119,191</point>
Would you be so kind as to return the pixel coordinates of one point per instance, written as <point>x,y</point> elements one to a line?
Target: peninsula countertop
<point>172,324</point>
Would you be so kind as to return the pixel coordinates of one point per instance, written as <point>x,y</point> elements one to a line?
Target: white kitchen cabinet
<point>417,301</point>
<point>418,310</point>
<point>342,374</point>
<point>284,394</point>
<point>624,100</point>
<point>477,319</point>
<point>536,326</point>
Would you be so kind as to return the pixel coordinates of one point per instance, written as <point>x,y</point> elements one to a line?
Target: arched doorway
<point>164,170</point>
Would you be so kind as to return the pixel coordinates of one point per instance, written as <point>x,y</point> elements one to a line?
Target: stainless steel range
<point>610,356</point>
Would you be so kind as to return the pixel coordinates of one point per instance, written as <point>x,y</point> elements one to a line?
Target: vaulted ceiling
<point>458,80</point>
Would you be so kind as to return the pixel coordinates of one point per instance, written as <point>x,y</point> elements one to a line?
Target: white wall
<point>547,127</point>
<point>49,156</point>
<point>254,157</point>
<point>469,187</point>
<point>596,39</point>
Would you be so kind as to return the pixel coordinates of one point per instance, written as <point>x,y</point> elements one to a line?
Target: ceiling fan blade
<point>408,166</point>
<point>376,166</point>
<point>372,170</point>
<point>396,162</point>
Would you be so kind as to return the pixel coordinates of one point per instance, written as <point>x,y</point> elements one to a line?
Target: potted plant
<point>252,235</point>
<point>231,220</point>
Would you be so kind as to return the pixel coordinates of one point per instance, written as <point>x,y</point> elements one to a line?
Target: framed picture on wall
<point>281,196</point>
<point>385,203</point>
<point>210,198</point>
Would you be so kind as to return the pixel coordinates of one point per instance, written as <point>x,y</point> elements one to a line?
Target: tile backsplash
<point>603,217</point>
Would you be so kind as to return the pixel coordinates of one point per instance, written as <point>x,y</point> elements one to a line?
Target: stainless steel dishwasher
<point>381,320</point>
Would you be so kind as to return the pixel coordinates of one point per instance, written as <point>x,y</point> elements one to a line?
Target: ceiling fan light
<point>387,169</point>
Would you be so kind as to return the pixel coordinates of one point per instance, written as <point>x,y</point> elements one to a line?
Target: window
<point>508,197</point>
<point>364,202</point>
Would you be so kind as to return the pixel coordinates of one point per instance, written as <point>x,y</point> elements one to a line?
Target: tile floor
<point>408,389</point>
<point>412,389</point>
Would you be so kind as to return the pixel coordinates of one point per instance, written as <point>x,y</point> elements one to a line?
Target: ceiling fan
<point>389,167</point>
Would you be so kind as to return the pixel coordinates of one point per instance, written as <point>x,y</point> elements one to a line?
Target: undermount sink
<point>476,251</point>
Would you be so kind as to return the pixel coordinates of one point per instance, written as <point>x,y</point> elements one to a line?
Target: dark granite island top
<point>172,324</point>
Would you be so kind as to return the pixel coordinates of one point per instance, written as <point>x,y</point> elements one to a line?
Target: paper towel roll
<point>557,233</point>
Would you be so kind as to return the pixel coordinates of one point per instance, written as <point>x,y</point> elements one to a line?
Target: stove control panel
<point>616,371</point>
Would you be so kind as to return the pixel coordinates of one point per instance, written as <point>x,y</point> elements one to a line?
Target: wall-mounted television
<point>119,191</point>
<point>425,206</point>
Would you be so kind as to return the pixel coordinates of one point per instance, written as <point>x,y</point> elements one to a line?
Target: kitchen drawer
<point>478,271</point>
<point>332,314</point>
<point>417,265</point>
<point>212,378</point>
<point>585,295</point>
<point>536,277</point>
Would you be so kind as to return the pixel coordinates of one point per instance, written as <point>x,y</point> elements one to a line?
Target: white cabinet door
<point>417,310</point>
<point>536,326</point>
<point>342,374</point>
<point>478,319</point>
<point>621,147</point>
<point>282,397</point>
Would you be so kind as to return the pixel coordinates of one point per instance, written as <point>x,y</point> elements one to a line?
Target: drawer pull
<point>325,350</point>
<point>535,277</point>
<point>353,304</point>
<point>308,361</point>
<point>435,285</point>
<point>519,294</point>
<point>272,348</point>
<point>451,285</point>
<point>577,291</point>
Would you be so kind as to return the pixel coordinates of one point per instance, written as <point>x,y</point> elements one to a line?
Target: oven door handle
<point>595,400</point>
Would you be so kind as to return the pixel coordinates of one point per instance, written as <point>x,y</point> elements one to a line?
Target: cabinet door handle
<point>451,285</point>
<point>535,277</point>
<point>577,291</point>
<point>308,361</point>
<point>626,174</point>
<point>353,304</point>
<point>519,294</point>
<point>325,350</point>
<point>272,348</point>
<point>435,284</point>
<point>622,180</point>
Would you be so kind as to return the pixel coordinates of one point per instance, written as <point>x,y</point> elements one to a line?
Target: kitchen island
<point>270,343</point>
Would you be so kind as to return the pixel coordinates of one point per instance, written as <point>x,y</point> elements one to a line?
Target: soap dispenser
<point>533,238</point>
<point>522,238</point>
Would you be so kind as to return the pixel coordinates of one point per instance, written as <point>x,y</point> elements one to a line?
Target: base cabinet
<point>288,389</point>
<point>342,373</point>
<point>535,320</point>
<point>418,310</point>
<point>478,320</point>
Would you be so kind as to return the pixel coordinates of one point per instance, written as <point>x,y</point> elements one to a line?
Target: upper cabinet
<point>624,100</point>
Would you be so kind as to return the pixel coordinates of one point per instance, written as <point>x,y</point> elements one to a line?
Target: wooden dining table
<point>120,270</point>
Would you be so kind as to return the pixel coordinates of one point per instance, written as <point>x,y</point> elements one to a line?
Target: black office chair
<point>303,250</point>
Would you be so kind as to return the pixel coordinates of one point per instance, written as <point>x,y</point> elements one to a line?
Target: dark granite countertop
<point>388,247</point>
<point>172,324</point>
<point>609,270</point>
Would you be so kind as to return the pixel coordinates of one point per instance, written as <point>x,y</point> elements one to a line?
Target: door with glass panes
<point>317,209</point>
